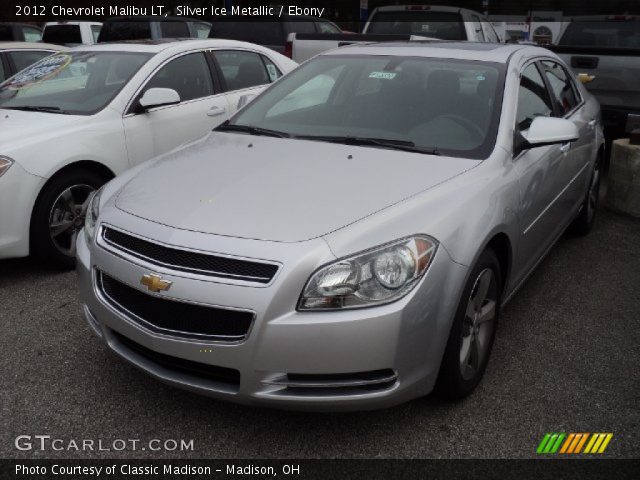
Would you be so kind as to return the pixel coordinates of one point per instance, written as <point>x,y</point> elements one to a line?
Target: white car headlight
<point>5,164</point>
<point>91,219</point>
<point>374,277</point>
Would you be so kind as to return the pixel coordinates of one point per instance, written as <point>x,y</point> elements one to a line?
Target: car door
<point>569,105</point>
<point>540,174</point>
<point>243,73</point>
<point>202,107</point>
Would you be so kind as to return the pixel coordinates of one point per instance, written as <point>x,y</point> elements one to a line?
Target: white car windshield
<point>78,83</point>
<point>432,105</point>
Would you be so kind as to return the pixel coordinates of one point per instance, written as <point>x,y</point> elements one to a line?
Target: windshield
<point>448,105</point>
<point>442,25</point>
<point>618,34</point>
<point>62,34</point>
<point>80,83</point>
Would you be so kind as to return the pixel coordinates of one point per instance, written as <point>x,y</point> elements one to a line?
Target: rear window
<point>260,32</point>
<point>441,25</point>
<point>6,33</point>
<point>62,34</point>
<point>118,31</point>
<point>621,34</point>
<point>301,27</point>
<point>174,30</point>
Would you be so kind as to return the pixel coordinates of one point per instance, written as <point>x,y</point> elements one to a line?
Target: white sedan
<point>74,120</point>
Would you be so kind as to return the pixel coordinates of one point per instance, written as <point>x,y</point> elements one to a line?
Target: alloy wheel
<point>66,217</point>
<point>594,192</point>
<point>478,325</point>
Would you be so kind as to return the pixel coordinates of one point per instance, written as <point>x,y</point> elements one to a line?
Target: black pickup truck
<point>604,52</point>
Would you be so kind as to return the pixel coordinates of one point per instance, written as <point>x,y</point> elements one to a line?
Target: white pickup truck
<point>403,22</point>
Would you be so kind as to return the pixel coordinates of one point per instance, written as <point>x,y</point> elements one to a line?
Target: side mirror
<point>157,97</point>
<point>245,99</point>
<point>550,131</point>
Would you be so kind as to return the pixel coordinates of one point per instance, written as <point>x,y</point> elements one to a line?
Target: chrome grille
<point>189,261</point>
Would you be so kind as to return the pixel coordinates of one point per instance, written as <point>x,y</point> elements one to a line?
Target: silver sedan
<point>348,239</point>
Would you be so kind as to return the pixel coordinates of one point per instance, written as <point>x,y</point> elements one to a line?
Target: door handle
<point>564,148</point>
<point>215,111</point>
<point>592,123</point>
<point>586,78</point>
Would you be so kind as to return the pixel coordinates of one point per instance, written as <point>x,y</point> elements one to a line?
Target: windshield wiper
<point>31,108</point>
<point>395,144</point>
<point>251,130</point>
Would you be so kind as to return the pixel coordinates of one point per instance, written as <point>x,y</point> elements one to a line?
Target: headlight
<point>5,164</point>
<point>91,219</point>
<point>374,277</point>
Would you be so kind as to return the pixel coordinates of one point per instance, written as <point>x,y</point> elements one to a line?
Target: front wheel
<point>473,330</point>
<point>58,217</point>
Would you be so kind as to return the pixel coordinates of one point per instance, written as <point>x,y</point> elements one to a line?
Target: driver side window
<point>533,98</point>
<point>189,75</point>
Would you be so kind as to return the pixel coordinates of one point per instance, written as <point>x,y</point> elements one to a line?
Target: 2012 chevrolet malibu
<point>347,240</point>
<point>74,120</point>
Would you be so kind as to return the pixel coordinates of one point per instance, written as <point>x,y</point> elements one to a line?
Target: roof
<point>160,44</point>
<point>30,46</point>
<point>489,52</point>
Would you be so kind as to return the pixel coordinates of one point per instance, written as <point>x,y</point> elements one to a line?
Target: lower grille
<point>175,318</point>
<point>335,384</point>
<point>223,375</point>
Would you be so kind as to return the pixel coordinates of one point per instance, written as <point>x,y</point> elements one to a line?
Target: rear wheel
<point>58,217</point>
<point>583,223</point>
<point>473,330</point>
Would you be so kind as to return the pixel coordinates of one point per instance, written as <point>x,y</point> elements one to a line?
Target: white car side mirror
<point>156,97</point>
<point>550,131</point>
<point>245,99</point>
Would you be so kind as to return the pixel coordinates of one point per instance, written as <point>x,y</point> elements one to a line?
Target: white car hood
<point>278,189</point>
<point>19,128</point>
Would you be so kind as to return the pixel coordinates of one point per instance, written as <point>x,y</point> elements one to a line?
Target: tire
<point>58,216</point>
<point>583,223</point>
<point>463,365</point>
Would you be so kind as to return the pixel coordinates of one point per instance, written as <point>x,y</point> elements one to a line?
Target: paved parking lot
<point>566,359</point>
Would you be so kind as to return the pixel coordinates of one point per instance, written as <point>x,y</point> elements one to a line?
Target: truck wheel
<point>58,217</point>
<point>473,330</point>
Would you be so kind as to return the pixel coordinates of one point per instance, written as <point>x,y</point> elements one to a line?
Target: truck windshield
<point>80,83</point>
<point>612,34</point>
<point>450,106</point>
<point>442,25</point>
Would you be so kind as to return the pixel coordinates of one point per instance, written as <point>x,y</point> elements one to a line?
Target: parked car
<point>19,32</point>
<point>604,51</point>
<point>119,29</point>
<point>16,56</point>
<point>400,23</point>
<point>272,34</point>
<point>71,33</point>
<point>355,250</point>
<point>76,119</point>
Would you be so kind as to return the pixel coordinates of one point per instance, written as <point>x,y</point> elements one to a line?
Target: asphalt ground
<point>566,359</point>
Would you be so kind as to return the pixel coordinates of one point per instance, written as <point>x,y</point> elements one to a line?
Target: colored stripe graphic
<point>573,443</point>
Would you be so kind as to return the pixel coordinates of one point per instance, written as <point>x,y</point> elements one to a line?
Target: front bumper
<point>290,359</point>
<point>18,192</point>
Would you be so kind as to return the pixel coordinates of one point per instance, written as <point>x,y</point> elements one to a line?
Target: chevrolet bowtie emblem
<point>155,283</point>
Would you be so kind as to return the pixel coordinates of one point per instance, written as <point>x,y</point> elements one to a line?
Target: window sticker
<point>273,74</point>
<point>39,72</point>
<point>383,75</point>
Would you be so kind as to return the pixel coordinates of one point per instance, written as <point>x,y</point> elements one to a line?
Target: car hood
<point>278,189</point>
<point>18,127</point>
